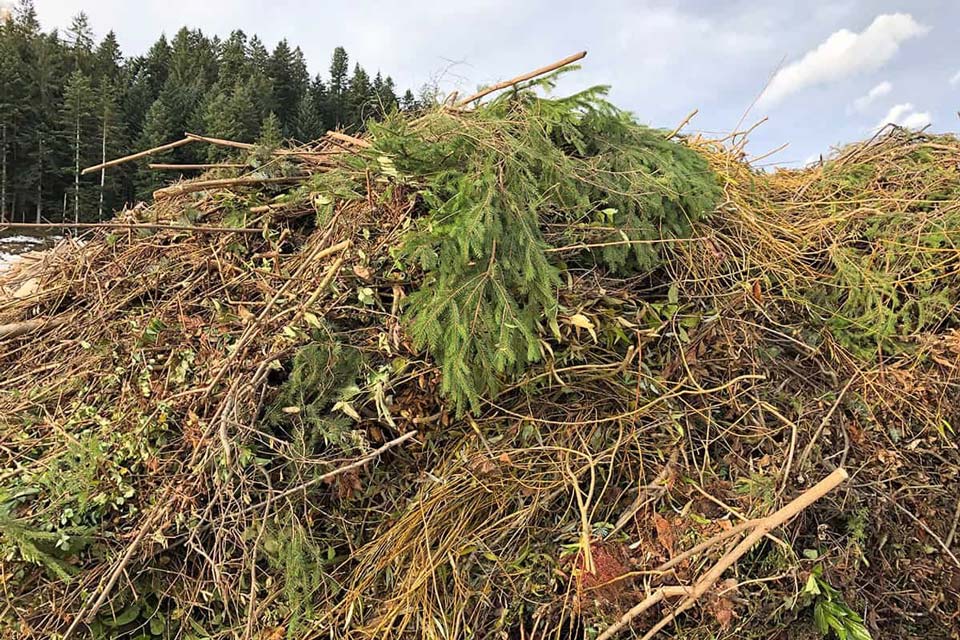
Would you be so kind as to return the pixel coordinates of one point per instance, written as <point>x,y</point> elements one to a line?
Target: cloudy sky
<point>825,71</point>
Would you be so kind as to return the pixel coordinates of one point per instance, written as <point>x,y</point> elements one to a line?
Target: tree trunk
<point>3,171</point>
<point>39,177</point>
<point>76,171</point>
<point>103,158</point>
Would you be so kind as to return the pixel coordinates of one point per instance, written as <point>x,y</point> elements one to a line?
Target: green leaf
<point>125,617</point>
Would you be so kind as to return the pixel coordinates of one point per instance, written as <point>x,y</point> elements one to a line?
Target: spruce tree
<point>109,85</point>
<point>79,124</point>
<point>234,61</point>
<point>383,99</point>
<point>408,102</point>
<point>271,135</point>
<point>112,140</point>
<point>107,60</point>
<point>259,58</point>
<point>156,65</point>
<point>11,99</point>
<point>80,38</point>
<point>40,138</point>
<point>359,98</point>
<point>288,75</point>
<point>337,100</point>
<point>308,126</point>
<point>160,126</point>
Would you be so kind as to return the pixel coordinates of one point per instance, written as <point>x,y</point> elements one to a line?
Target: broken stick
<point>220,141</point>
<point>760,527</point>
<point>17,329</point>
<point>342,137</point>
<point>527,76</point>
<point>196,167</point>
<point>204,185</point>
<point>137,156</point>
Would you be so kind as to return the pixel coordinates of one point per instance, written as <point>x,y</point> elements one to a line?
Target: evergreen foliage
<point>491,179</point>
<point>895,274</point>
<point>323,373</point>
<point>53,86</point>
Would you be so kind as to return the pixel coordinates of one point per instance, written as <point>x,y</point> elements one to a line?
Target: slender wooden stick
<point>359,462</point>
<point>204,185</point>
<point>118,569</point>
<point>657,596</point>
<point>137,156</point>
<point>760,528</point>
<point>683,123</point>
<point>527,76</point>
<point>17,329</point>
<point>193,167</point>
<point>763,527</point>
<point>317,156</point>
<point>123,225</point>
<point>703,546</point>
<point>220,141</point>
<point>342,137</point>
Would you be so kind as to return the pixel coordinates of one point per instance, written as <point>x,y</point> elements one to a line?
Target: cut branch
<point>221,142</point>
<point>195,167</point>
<point>124,225</point>
<point>683,123</point>
<point>17,329</point>
<point>342,137</point>
<point>527,76</point>
<point>315,156</point>
<point>758,529</point>
<point>137,156</point>
<point>205,185</point>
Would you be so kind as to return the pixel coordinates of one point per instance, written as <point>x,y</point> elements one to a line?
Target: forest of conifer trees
<point>68,102</point>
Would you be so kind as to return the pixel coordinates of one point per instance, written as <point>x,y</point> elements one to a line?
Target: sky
<point>823,72</point>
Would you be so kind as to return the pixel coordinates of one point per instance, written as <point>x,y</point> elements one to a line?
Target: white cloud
<point>956,78</point>
<point>844,54</point>
<point>864,101</point>
<point>905,115</point>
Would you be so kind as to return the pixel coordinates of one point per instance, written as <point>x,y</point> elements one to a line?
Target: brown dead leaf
<point>483,465</point>
<point>346,484</point>
<point>362,272</point>
<point>757,292</point>
<point>721,605</point>
<point>277,633</point>
<point>245,315</point>
<point>665,534</point>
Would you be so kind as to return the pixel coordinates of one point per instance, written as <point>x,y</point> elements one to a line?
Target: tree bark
<point>39,177</point>
<point>103,159</point>
<point>3,177</point>
<point>17,329</point>
<point>76,170</point>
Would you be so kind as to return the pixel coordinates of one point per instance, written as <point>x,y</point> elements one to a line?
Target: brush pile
<point>489,373</point>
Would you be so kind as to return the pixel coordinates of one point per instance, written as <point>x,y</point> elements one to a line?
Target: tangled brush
<point>489,372</point>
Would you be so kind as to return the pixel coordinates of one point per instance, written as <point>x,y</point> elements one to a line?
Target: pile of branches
<point>518,369</point>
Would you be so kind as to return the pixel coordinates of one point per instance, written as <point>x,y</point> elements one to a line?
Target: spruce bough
<point>490,181</point>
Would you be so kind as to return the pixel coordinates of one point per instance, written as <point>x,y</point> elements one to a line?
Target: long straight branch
<point>527,76</point>
<point>203,185</point>
<point>137,156</point>
<point>763,527</point>
<point>758,529</point>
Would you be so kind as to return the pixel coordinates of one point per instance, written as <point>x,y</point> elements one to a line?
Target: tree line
<point>68,102</point>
